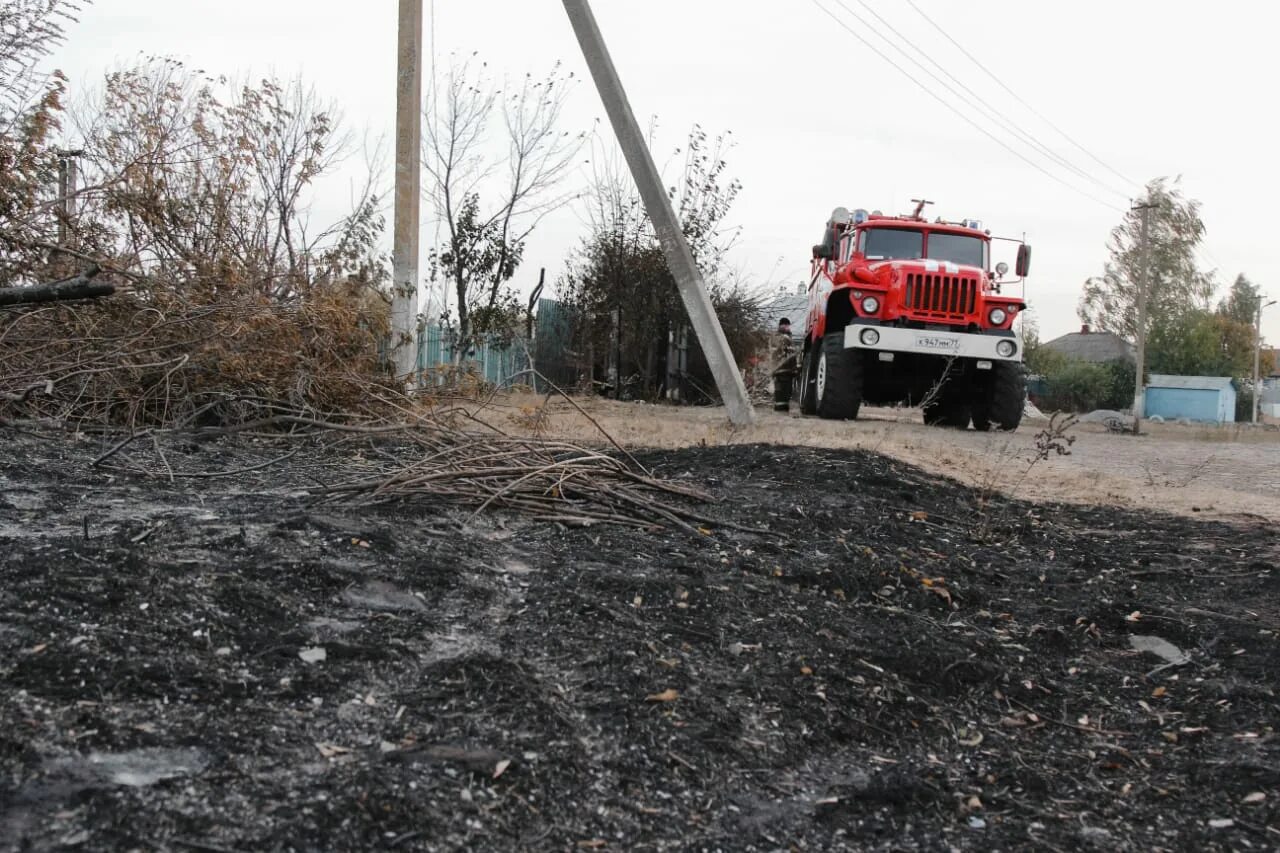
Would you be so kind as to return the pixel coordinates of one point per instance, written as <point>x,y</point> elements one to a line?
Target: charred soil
<point>890,663</point>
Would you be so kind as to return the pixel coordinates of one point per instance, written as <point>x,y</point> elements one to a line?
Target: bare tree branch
<point>466,165</point>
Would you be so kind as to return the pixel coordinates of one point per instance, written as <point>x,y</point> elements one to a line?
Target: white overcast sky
<point>1150,88</point>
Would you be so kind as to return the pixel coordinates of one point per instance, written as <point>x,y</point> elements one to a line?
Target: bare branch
<point>468,169</point>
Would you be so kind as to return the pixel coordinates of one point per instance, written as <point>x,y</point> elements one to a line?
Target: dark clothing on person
<point>783,354</point>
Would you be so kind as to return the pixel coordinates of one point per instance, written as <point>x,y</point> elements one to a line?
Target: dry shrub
<point>758,377</point>
<point>162,359</point>
<point>533,418</point>
<point>455,381</point>
<point>195,200</point>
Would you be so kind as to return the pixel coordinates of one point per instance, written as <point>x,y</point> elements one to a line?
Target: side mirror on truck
<point>1023,266</point>
<point>823,251</point>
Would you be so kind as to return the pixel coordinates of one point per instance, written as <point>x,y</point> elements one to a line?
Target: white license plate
<point>938,343</point>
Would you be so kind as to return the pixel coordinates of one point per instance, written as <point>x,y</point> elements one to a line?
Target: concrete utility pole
<point>68,179</point>
<point>1257,355</point>
<point>1139,396</point>
<point>679,259</point>
<point>404,253</point>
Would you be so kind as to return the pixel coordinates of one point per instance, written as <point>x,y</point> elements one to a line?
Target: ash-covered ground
<point>897,662</point>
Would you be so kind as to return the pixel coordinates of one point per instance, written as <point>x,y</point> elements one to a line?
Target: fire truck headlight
<point>998,316</point>
<point>1006,349</point>
<point>869,337</point>
<point>870,305</point>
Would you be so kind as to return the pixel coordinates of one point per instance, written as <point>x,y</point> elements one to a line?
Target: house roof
<point>1095,347</point>
<point>790,304</point>
<point>1194,383</point>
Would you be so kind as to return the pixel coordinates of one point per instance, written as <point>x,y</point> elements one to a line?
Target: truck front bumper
<point>890,339</point>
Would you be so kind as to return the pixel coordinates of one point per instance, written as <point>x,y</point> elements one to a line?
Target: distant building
<point>1094,347</point>
<point>1209,399</point>
<point>792,303</point>
<point>1269,399</point>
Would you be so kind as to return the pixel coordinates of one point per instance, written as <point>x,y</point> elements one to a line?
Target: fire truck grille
<point>949,297</point>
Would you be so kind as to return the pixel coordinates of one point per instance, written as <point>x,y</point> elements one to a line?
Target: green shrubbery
<point>1072,385</point>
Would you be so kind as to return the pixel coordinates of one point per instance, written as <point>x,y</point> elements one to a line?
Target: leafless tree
<point>627,300</point>
<point>29,32</point>
<point>211,181</point>
<point>491,187</point>
<point>30,109</point>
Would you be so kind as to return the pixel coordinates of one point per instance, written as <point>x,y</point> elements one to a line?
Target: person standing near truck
<point>782,365</point>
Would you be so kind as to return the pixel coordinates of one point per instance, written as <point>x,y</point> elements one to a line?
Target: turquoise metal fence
<point>493,361</point>
<point>553,332</point>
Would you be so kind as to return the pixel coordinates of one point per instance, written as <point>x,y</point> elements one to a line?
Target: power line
<point>1202,253</point>
<point>982,104</point>
<point>1026,139</point>
<point>1018,97</point>
<point>1033,164</point>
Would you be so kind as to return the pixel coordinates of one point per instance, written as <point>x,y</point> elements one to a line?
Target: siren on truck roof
<point>842,216</point>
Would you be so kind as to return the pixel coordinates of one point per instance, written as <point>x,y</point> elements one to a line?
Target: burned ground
<point>863,657</point>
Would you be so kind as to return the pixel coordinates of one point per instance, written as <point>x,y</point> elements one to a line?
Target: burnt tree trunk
<point>81,286</point>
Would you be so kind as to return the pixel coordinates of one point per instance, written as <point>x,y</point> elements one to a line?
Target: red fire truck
<point>903,310</point>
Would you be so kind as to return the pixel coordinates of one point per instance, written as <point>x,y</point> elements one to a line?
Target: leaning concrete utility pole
<point>1144,278</point>
<point>1257,356</point>
<point>679,259</point>
<point>404,253</point>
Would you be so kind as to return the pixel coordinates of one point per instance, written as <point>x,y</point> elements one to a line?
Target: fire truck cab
<point>904,310</point>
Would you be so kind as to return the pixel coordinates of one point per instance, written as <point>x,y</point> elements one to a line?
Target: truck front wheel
<point>838,384</point>
<point>1001,399</point>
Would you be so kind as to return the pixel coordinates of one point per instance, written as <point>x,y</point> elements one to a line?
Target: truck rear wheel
<point>838,383</point>
<point>808,381</point>
<point>1001,399</point>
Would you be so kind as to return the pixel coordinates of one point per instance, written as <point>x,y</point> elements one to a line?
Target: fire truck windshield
<point>959,249</point>
<point>891,244</point>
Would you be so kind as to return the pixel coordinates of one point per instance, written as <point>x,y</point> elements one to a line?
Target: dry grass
<point>1200,471</point>
<point>174,356</point>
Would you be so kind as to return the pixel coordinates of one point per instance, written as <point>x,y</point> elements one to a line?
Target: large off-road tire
<point>808,382</point>
<point>1001,399</point>
<point>838,383</point>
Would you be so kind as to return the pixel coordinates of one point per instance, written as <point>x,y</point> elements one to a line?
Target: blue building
<point>1210,399</point>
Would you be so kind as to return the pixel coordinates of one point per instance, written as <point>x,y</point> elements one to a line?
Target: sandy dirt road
<point>1229,472</point>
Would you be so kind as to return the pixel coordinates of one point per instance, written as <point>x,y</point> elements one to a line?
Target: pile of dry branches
<point>150,370</point>
<point>164,358</point>
<point>446,454</point>
<point>547,480</point>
